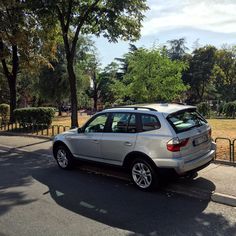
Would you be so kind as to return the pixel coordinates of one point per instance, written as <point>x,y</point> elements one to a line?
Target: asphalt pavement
<point>38,198</point>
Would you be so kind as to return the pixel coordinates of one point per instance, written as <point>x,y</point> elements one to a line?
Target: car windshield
<point>185,120</point>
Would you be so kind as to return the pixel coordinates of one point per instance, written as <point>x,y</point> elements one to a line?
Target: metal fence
<point>37,129</point>
<point>224,153</point>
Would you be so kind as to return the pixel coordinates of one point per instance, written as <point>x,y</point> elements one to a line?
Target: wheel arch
<point>57,144</point>
<point>130,157</point>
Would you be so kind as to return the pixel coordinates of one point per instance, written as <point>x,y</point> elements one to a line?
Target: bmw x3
<point>143,139</point>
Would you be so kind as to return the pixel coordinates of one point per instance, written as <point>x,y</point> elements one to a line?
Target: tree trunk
<point>59,109</point>
<point>11,76</point>
<point>12,88</point>
<point>95,102</point>
<point>73,93</point>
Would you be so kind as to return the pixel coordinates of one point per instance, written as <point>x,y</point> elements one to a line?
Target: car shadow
<point>115,202</point>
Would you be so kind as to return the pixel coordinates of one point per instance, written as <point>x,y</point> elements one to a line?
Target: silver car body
<point>113,148</point>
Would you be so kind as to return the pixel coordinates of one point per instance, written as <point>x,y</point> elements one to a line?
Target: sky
<point>208,21</point>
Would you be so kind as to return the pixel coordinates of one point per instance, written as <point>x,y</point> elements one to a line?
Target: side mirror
<point>80,130</point>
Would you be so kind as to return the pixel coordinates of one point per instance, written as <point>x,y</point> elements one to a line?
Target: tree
<point>199,74</point>
<point>11,20</point>
<point>53,84</point>
<point>93,72</point>
<point>20,43</point>
<point>152,77</point>
<point>224,73</point>
<point>177,49</point>
<point>111,19</point>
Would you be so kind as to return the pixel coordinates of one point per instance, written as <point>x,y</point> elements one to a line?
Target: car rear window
<point>185,120</point>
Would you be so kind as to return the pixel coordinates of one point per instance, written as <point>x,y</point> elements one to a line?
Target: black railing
<point>227,150</point>
<point>37,129</point>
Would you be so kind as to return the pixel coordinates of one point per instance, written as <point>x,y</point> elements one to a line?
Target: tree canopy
<point>152,77</point>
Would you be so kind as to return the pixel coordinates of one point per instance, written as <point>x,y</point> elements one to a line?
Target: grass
<point>223,128</point>
<point>66,121</point>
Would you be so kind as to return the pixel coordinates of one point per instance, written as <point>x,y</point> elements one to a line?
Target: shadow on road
<point>110,201</point>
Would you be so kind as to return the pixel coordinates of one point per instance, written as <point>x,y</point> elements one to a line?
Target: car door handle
<point>95,141</point>
<point>128,144</point>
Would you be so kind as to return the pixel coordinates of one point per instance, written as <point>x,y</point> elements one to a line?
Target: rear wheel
<point>64,158</point>
<point>144,175</point>
<point>191,175</point>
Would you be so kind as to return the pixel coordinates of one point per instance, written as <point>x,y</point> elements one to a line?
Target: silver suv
<point>144,139</point>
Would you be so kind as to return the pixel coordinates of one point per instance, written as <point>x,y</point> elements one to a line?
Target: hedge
<point>230,109</point>
<point>4,111</point>
<point>34,115</point>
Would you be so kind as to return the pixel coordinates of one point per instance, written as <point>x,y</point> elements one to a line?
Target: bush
<point>4,112</point>
<point>230,109</point>
<point>35,115</point>
<point>204,108</point>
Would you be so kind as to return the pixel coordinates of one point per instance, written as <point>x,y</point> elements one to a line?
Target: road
<point>38,198</point>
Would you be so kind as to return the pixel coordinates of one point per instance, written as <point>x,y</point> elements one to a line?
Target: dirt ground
<point>224,128</point>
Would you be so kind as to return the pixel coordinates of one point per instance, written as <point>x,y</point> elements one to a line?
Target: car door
<point>86,144</point>
<point>120,137</point>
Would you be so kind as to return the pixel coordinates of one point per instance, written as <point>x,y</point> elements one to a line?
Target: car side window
<point>123,123</point>
<point>149,122</point>
<point>96,125</point>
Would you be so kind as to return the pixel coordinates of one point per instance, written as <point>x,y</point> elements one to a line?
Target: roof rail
<point>135,108</point>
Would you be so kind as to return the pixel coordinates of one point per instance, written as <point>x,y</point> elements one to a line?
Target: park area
<point>56,64</point>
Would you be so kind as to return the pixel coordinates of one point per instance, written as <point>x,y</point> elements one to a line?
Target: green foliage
<point>204,108</point>
<point>177,49</point>
<point>53,85</point>
<point>35,115</point>
<point>4,89</point>
<point>151,77</point>
<point>4,112</point>
<point>224,73</point>
<point>230,109</point>
<point>117,19</point>
<point>198,75</point>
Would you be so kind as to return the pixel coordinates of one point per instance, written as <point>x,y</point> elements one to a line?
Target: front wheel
<point>64,157</point>
<point>144,175</point>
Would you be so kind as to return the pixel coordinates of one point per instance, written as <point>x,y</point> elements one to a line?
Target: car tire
<point>64,158</point>
<point>144,175</point>
<point>191,175</point>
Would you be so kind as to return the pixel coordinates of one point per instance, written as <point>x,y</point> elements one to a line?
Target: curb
<point>224,199</point>
<point>204,194</point>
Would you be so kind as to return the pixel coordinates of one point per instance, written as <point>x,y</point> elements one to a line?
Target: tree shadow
<point>15,175</point>
<point>110,201</point>
<point>118,204</point>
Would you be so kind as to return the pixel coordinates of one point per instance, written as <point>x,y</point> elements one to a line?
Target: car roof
<point>165,108</point>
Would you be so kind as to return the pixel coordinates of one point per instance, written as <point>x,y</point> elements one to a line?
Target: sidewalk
<point>216,182</point>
